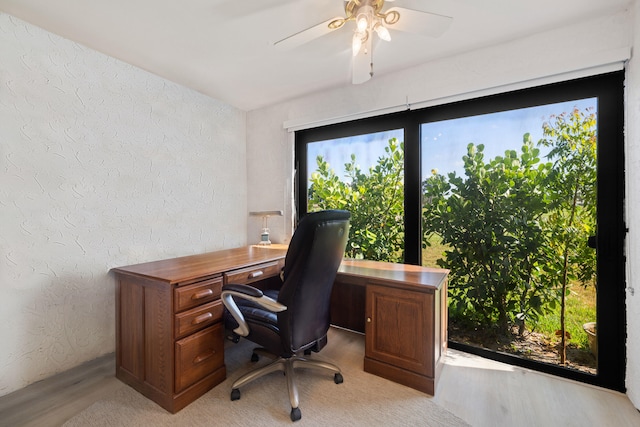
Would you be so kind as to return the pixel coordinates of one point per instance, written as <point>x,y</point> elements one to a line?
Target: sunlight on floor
<point>459,358</point>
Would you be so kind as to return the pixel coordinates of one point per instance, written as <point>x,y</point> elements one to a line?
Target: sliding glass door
<point>519,194</point>
<point>509,206</point>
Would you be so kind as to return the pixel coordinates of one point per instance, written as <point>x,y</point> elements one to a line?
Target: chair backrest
<point>314,255</point>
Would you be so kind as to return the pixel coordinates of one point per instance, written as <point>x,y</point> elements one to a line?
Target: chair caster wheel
<point>337,378</point>
<point>254,357</point>
<point>295,414</point>
<point>235,394</point>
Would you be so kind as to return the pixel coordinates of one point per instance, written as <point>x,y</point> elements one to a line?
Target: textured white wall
<point>545,54</point>
<point>270,166</point>
<point>101,165</point>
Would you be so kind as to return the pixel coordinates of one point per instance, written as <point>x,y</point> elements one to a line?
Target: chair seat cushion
<point>263,324</point>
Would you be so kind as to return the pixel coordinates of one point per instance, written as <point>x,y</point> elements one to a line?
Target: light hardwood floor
<point>488,393</point>
<point>53,401</point>
<point>480,391</point>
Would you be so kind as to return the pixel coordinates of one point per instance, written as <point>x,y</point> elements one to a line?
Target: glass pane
<point>363,174</point>
<point>509,204</point>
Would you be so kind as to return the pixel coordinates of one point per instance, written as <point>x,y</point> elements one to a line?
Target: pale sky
<point>445,142</point>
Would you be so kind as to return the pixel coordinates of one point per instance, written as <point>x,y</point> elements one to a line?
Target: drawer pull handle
<point>204,357</point>
<point>202,318</point>
<point>255,274</point>
<point>202,294</point>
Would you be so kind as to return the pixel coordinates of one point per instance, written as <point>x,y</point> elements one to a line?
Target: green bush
<point>490,221</point>
<point>375,200</point>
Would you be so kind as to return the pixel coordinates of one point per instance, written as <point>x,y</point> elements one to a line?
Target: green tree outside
<point>572,217</point>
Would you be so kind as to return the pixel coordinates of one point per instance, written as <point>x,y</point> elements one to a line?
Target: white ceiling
<point>224,48</point>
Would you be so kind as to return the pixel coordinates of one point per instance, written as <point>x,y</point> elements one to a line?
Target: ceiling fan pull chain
<point>371,63</point>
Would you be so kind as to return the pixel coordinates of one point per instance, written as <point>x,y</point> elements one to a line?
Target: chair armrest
<point>243,289</point>
<point>249,293</point>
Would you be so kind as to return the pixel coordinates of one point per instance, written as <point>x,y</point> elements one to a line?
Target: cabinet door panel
<point>399,328</point>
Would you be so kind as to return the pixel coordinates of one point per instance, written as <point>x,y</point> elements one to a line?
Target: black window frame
<point>609,89</point>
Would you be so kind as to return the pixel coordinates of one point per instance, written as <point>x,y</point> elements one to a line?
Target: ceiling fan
<point>369,18</point>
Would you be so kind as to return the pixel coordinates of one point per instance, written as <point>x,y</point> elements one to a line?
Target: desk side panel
<point>130,328</point>
<point>158,340</point>
<point>144,352</point>
<point>348,303</point>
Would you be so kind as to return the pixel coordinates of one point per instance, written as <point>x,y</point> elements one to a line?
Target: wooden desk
<point>169,335</point>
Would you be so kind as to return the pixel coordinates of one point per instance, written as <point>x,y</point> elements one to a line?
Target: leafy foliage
<point>375,200</point>
<point>491,221</point>
<point>517,228</point>
<point>514,228</point>
<point>573,191</point>
<point>572,218</point>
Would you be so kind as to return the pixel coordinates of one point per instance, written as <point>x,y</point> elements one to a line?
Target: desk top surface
<point>181,269</point>
<point>191,267</point>
<point>401,274</point>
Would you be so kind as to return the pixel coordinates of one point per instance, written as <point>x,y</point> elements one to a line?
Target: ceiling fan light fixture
<point>382,32</point>
<point>362,22</point>
<point>368,17</point>
<point>356,44</point>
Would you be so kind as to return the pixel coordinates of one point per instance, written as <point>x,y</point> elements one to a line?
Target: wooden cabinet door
<point>400,328</point>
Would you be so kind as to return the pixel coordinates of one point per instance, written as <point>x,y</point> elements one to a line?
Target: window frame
<point>609,89</point>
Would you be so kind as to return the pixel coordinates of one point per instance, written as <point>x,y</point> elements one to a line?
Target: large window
<point>519,195</point>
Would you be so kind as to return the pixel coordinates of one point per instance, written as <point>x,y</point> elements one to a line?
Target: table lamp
<point>264,234</point>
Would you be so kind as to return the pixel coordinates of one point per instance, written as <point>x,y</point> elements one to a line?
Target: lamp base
<point>264,237</point>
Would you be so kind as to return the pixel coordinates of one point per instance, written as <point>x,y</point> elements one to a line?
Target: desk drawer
<point>253,274</point>
<point>198,293</point>
<point>197,318</point>
<point>198,355</point>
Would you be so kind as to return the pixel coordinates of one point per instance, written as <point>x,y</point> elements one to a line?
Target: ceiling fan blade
<point>361,69</point>
<point>423,23</point>
<point>305,36</point>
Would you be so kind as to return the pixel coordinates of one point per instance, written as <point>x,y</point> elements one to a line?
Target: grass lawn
<point>581,308</point>
<point>433,253</point>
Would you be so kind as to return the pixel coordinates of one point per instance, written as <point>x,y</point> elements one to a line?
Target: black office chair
<point>292,321</point>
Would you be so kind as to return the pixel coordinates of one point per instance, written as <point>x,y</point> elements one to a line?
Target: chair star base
<point>288,366</point>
